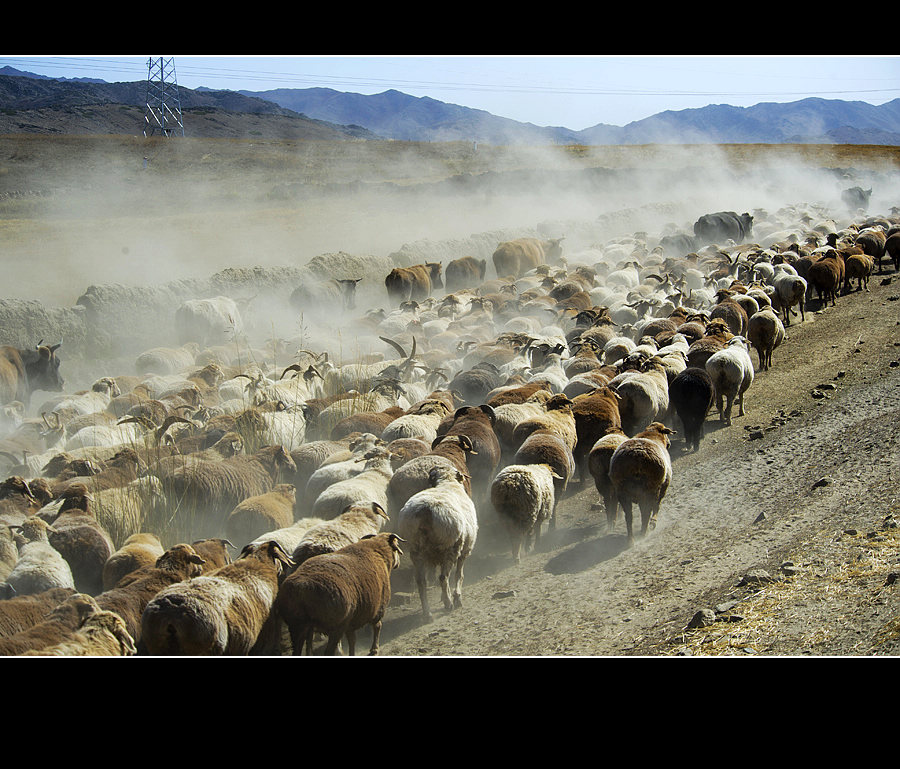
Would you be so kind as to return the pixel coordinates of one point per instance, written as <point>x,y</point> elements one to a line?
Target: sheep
<point>523,497</point>
<point>121,469</point>
<point>208,321</point>
<point>40,566</point>
<point>598,466</point>
<point>259,513</point>
<point>356,521</point>
<point>508,415</point>
<point>731,372</point>
<point>213,550</point>
<point>477,424</point>
<point>691,395</point>
<point>127,510</point>
<point>290,536</point>
<point>339,466</point>
<point>644,395</point>
<point>545,447</point>
<point>101,634</point>
<point>81,540</point>
<point>25,611</point>
<point>368,486</point>
<point>451,452</point>
<point>790,290</point>
<point>557,416</point>
<point>640,470</point>
<point>134,591</point>
<point>826,276</point>
<point>227,612</point>
<point>212,489</point>
<point>17,501</point>
<point>441,527</point>
<point>421,422</point>
<point>596,412</point>
<point>9,552</point>
<point>765,332</point>
<point>858,267</point>
<point>141,549</point>
<point>309,457</point>
<point>61,621</point>
<point>338,593</point>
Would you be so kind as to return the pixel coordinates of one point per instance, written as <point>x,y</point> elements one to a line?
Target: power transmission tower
<point>163,112</point>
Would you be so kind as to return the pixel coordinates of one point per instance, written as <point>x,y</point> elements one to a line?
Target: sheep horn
<point>394,344</point>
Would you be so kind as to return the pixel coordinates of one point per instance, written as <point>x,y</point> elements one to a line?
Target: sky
<point>575,92</point>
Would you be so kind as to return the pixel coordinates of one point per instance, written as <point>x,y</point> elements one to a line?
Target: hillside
<point>48,106</point>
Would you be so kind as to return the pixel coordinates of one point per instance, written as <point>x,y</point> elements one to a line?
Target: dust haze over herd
<point>183,214</point>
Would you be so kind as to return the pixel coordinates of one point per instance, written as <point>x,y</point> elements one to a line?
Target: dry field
<point>784,524</point>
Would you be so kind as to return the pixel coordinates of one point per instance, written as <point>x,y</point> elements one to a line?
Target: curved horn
<point>394,344</point>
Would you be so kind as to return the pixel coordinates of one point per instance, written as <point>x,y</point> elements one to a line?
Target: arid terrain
<point>783,527</point>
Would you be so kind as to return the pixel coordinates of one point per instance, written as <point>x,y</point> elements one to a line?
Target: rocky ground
<point>778,537</point>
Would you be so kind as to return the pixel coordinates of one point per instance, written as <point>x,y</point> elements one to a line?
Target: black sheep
<point>691,394</point>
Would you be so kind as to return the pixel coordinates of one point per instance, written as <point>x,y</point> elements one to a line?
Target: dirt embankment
<point>782,526</point>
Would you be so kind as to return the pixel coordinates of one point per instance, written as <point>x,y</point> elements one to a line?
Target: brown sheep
<point>598,466</point>
<point>477,424</point>
<point>857,267</point>
<point>101,634</point>
<point>62,620</point>
<point>452,451</point>
<point>558,416</point>
<point>516,257</point>
<point>413,283</point>
<point>131,595</point>
<point>826,276</point>
<point>81,540</point>
<point>260,513</point>
<point>641,471</point>
<point>228,612</point>
<point>338,593</point>
<point>765,332</point>
<point>547,447</point>
<point>596,413</point>
<point>141,549</point>
<point>25,611</point>
<point>730,311</point>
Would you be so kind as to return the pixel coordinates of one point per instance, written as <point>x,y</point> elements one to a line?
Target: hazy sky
<point>571,91</point>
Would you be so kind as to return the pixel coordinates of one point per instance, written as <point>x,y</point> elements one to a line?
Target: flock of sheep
<point>204,505</point>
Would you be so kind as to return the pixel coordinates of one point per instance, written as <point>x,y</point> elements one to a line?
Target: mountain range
<point>39,104</point>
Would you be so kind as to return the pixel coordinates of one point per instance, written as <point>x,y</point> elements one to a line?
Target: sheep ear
<point>490,412</point>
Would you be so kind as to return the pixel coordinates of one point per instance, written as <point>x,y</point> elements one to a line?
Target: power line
<point>107,66</point>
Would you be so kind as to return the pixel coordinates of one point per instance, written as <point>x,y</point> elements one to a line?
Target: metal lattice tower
<point>163,112</point>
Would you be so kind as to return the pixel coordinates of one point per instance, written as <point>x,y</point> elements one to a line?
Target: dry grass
<point>813,607</point>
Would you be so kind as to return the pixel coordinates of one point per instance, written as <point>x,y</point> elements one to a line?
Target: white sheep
<point>441,527</point>
<point>524,498</point>
<point>422,422</point>
<point>640,470</point>
<point>40,566</point>
<point>731,371</point>
<point>368,486</point>
<point>354,523</point>
<point>643,393</point>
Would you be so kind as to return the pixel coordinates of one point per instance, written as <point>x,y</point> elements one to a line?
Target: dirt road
<point>789,513</point>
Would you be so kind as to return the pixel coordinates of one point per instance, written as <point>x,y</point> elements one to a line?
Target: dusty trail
<point>583,593</point>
